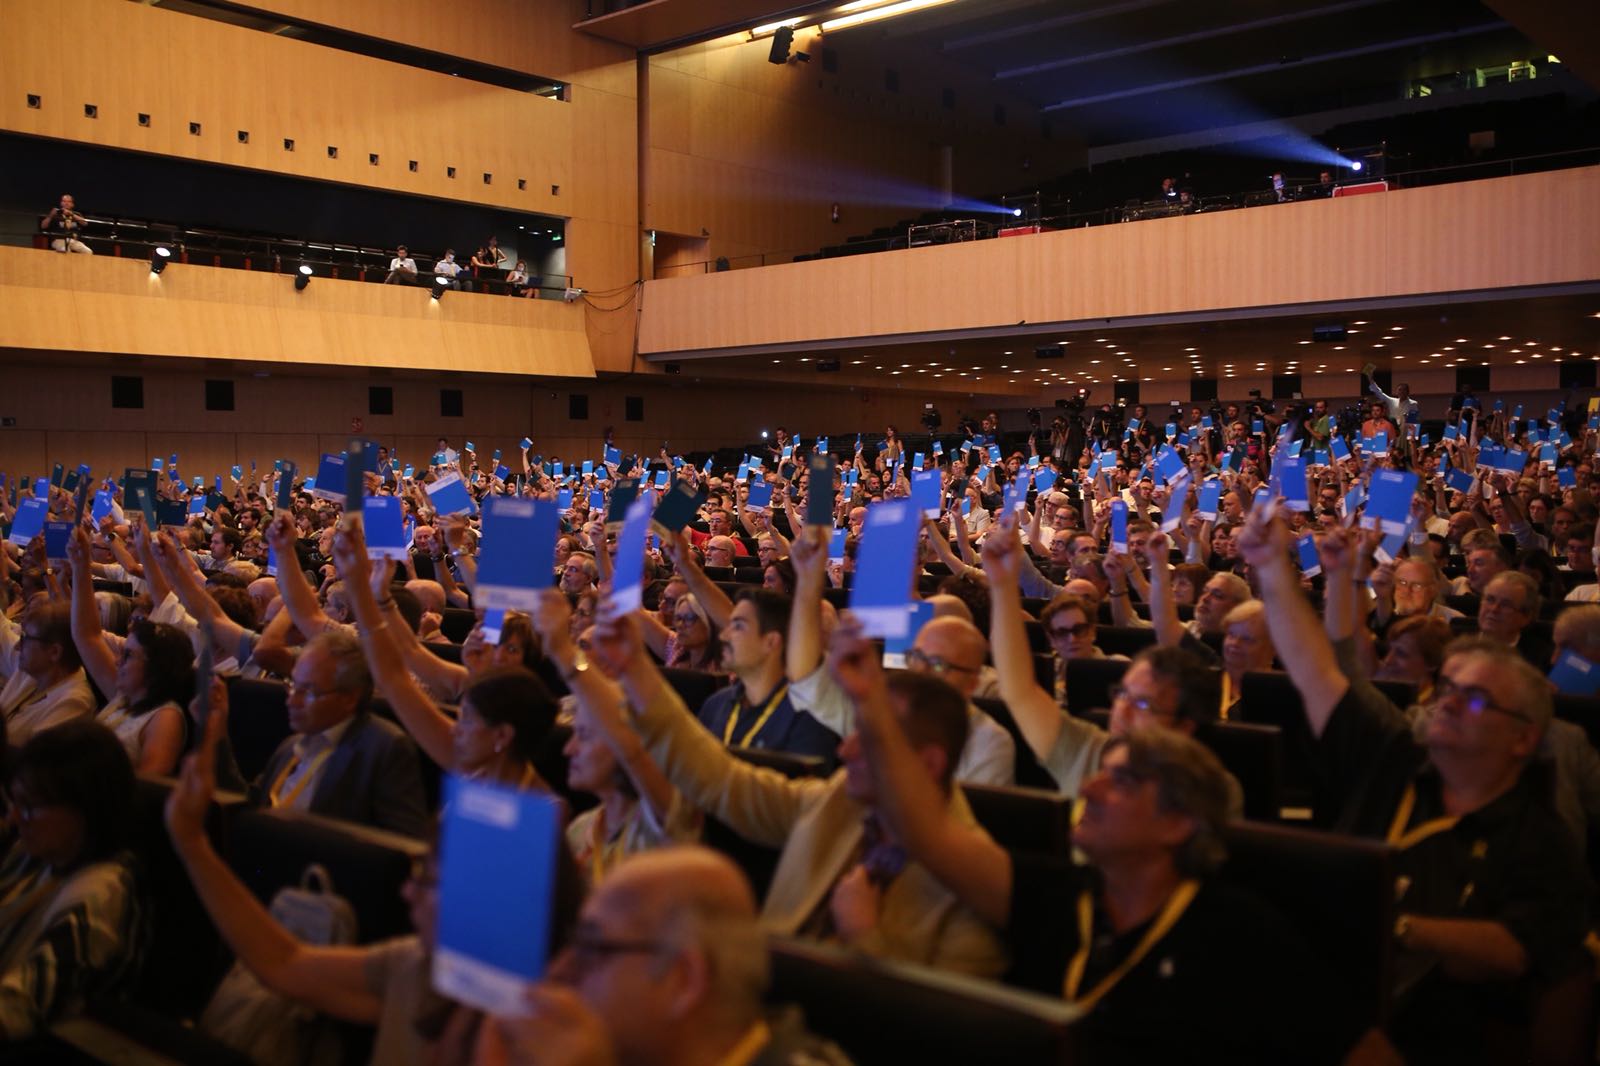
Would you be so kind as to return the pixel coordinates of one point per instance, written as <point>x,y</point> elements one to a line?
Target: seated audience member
<point>1220,595</point>
<point>517,278</point>
<point>1246,647</point>
<point>69,911</point>
<point>1510,602</point>
<point>1491,894</point>
<point>839,877</point>
<point>386,984</point>
<point>506,712</point>
<point>1407,588</point>
<point>1071,624</point>
<point>950,648</point>
<point>402,268</point>
<point>64,227</point>
<point>149,683</point>
<point>449,269</point>
<point>1486,558</point>
<point>342,761</point>
<point>718,524</point>
<point>579,574</point>
<point>1170,963</point>
<point>1416,647</point>
<point>44,680</point>
<point>689,989</point>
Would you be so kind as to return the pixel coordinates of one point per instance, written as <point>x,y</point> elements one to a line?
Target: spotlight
<point>763,434</point>
<point>159,257</point>
<point>439,283</point>
<point>1356,166</point>
<point>303,278</point>
<point>1016,212</point>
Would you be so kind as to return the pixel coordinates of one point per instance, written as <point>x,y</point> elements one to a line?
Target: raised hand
<point>809,553</point>
<point>1002,556</point>
<point>197,780</point>
<point>854,661</point>
<point>1263,540</point>
<point>552,619</point>
<point>1338,547</point>
<point>350,553</point>
<point>280,535</point>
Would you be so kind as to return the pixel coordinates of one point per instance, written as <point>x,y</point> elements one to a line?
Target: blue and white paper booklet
<point>449,495</point>
<point>28,522</point>
<point>1119,526</point>
<point>497,877</point>
<point>1574,675</point>
<point>884,563</point>
<point>330,479</point>
<point>384,519</point>
<point>1210,499</point>
<point>927,488</point>
<point>627,581</point>
<point>519,551</point>
<point>1310,559</point>
<point>1389,506</point>
<point>895,648</point>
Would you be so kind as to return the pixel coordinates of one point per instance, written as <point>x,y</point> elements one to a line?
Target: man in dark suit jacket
<point>342,762</point>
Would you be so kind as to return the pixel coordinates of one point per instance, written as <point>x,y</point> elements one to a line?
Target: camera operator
<point>63,225</point>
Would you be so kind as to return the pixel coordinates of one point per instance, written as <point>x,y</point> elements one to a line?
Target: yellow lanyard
<point>745,1051</point>
<point>299,786</point>
<point>1176,904</point>
<point>1227,696</point>
<point>738,705</point>
<point>1400,837</point>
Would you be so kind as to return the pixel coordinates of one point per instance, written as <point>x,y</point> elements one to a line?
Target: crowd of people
<point>1212,540</point>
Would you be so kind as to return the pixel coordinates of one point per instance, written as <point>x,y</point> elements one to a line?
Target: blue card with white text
<point>519,551</point>
<point>885,561</point>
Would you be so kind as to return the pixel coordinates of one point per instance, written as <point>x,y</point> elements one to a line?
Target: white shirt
<point>448,267</point>
<point>29,710</point>
<point>1584,594</point>
<point>1400,411</point>
<point>408,264</point>
<point>309,762</point>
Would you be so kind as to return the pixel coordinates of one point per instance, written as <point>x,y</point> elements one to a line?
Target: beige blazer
<point>818,828</point>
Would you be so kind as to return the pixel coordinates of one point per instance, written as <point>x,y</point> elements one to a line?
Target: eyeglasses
<point>590,947</point>
<point>310,692</point>
<point>921,660</point>
<point>1145,704</point>
<point>685,621</point>
<point>1402,583</point>
<point>1082,629</point>
<point>1473,699</point>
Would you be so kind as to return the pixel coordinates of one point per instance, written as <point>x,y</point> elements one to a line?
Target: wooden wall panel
<point>1526,231</point>
<point>101,304</point>
<point>181,69</point>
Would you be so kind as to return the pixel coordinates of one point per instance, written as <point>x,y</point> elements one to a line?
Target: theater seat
<point>1090,681</point>
<point>1270,698</point>
<point>885,1014</point>
<point>1337,891</point>
<point>1023,819</point>
<point>694,686</point>
<point>1029,774</point>
<point>457,622</point>
<point>258,721</point>
<point>450,653</point>
<point>1125,640</point>
<point>1581,711</point>
<point>1253,754</point>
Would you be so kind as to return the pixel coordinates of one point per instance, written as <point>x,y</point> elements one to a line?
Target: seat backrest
<point>1125,640</point>
<point>1338,891</point>
<point>450,653</point>
<point>270,849</point>
<point>457,622</point>
<point>1023,819</point>
<point>1038,639</point>
<point>1270,698</point>
<point>694,686</point>
<point>1581,711</point>
<point>1253,754</point>
<point>1090,681</point>
<point>258,721</point>
<point>1028,774</point>
<point>885,1012</point>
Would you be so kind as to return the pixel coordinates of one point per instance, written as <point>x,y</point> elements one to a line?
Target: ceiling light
<point>1360,322</point>
<point>876,10</point>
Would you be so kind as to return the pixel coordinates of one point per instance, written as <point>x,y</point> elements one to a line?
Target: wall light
<point>302,278</point>
<point>439,283</point>
<point>159,258</point>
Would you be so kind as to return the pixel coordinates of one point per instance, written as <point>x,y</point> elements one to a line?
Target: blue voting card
<point>286,486</point>
<point>557,470</point>
<point>409,472</point>
<point>1033,462</point>
<point>994,453</point>
<point>709,464</point>
<point>787,452</point>
<point>155,464</point>
<point>1310,560</point>
<point>1512,460</point>
<point>597,500</point>
<point>29,520</point>
<point>329,484</point>
<point>56,535</point>
<point>613,455</point>
<point>1293,448</point>
<point>199,481</point>
<point>1044,480</point>
<point>1547,454</point>
<point>1390,505</point>
<point>1016,495</point>
<point>144,499</point>
<point>1258,426</point>
<point>1205,421</point>
<point>57,474</point>
<point>744,470</point>
<point>564,499</point>
<point>966,446</point>
<point>197,507</point>
<point>1500,405</point>
<point>760,498</point>
<point>938,448</point>
<point>1573,675</point>
<point>627,580</point>
<point>1451,433</point>
<point>895,648</point>
<point>496,456</point>
<point>103,504</point>
<point>525,443</point>
<point>1289,475</point>
<point>1392,544</point>
<point>449,495</point>
<point>497,877</point>
<point>355,477</point>
<point>1172,430</point>
<point>927,489</point>
<point>819,490</point>
<point>1320,458</point>
<point>1353,500</point>
<point>1380,443</point>
<point>41,488</point>
<point>1210,499</point>
<point>664,478</point>
<point>1460,480</point>
<point>983,473</point>
<point>1534,437</point>
<point>678,507</point>
<point>1169,464</point>
<point>1567,477</point>
<point>588,467</point>
<point>836,545</point>
<point>502,472</point>
<point>623,493</point>
<point>519,551</point>
<point>966,506</point>
<point>1178,492</point>
<point>1339,449</point>
<point>1119,525</point>
<point>493,625</point>
<point>384,519</point>
<point>885,561</point>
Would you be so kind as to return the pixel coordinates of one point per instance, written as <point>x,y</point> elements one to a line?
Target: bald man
<point>668,966</point>
<point>949,646</point>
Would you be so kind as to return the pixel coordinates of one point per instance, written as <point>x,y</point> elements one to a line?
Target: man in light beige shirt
<point>44,680</point>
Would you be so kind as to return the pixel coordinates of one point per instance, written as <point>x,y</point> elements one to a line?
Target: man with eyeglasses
<point>1491,892</point>
<point>1406,589</point>
<point>951,648</point>
<point>668,964</point>
<point>841,877</point>
<point>1510,603</point>
<point>342,761</point>
<point>45,684</point>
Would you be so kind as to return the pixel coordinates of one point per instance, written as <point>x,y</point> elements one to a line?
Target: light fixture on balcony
<point>302,278</point>
<point>159,258</point>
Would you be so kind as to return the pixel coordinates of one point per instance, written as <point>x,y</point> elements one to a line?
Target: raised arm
<point>965,858</point>
<point>87,635</point>
<point>719,608</point>
<point>1163,607</point>
<point>1302,646</point>
<point>331,980</point>
<point>803,649</point>
<point>422,718</point>
<point>299,599</point>
<point>192,594</point>
<point>1035,710</point>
